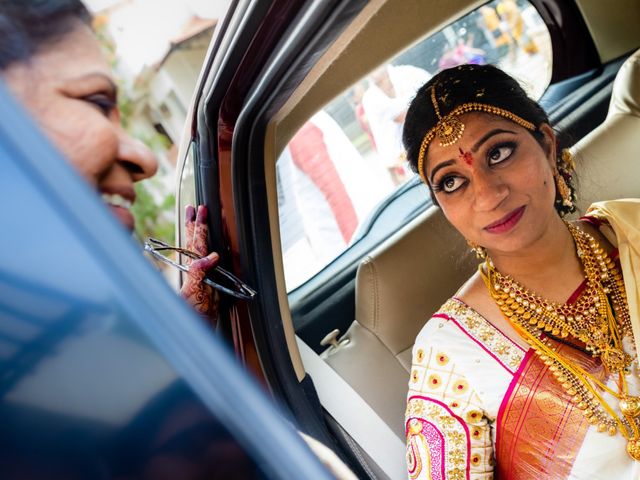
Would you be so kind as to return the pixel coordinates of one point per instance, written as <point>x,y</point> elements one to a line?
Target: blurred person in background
<point>385,102</point>
<point>510,14</point>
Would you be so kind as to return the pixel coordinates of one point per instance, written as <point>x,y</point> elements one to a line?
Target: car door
<point>105,372</point>
<point>252,39</point>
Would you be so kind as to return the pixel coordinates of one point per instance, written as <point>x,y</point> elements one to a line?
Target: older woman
<point>52,62</point>
<point>530,370</point>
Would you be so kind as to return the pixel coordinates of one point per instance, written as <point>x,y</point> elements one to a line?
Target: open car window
<point>348,157</point>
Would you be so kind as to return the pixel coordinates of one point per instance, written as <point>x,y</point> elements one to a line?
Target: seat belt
<point>355,415</point>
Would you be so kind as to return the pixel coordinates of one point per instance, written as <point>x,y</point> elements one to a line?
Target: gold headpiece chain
<point>449,128</point>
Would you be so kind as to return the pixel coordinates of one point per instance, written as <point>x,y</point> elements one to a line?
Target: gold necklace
<point>590,319</point>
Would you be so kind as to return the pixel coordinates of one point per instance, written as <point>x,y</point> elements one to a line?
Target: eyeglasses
<point>236,287</point>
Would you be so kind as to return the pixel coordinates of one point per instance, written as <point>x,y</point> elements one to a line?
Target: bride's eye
<point>500,153</point>
<point>450,184</point>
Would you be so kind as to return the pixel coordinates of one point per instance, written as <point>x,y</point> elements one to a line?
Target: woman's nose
<point>136,157</point>
<point>489,191</point>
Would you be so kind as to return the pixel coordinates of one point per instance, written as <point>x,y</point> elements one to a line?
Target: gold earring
<point>563,189</point>
<point>481,252</point>
<point>567,158</point>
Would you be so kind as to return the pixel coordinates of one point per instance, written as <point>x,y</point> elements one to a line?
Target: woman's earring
<point>563,189</point>
<point>480,252</point>
<point>567,158</point>
<point>565,198</point>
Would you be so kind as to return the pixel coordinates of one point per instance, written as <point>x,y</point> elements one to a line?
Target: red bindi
<point>466,156</point>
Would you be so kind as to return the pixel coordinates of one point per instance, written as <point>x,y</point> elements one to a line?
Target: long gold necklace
<point>591,320</point>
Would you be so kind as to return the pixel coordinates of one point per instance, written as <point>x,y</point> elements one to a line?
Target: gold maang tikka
<point>449,128</point>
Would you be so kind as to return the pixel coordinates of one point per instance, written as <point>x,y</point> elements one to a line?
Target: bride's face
<point>495,184</point>
<point>69,90</point>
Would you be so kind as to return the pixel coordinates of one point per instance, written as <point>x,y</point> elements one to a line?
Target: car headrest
<point>607,165</point>
<point>404,281</point>
<point>626,88</point>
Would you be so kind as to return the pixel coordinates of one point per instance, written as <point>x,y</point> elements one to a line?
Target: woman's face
<point>69,91</point>
<point>495,185</point>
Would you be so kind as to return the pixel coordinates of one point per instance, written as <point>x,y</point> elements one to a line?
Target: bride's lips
<point>119,202</point>
<point>507,222</point>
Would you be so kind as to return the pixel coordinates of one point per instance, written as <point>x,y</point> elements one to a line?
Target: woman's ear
<point>549,143</point>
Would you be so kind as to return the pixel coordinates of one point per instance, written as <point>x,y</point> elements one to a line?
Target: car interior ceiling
<point>376,343</point>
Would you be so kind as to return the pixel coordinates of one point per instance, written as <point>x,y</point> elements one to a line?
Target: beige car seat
<point>608,158</point>
<point>400,284</point>
<point>398,287</point>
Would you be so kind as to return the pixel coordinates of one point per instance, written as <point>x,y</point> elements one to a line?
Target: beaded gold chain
<point>591,319</point>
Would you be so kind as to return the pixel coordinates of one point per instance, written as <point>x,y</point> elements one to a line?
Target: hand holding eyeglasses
<point>201,296</point>
<point>205,280</point>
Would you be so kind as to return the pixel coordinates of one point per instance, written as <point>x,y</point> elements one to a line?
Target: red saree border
<point>508,394</point>
<point>539,432</point>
